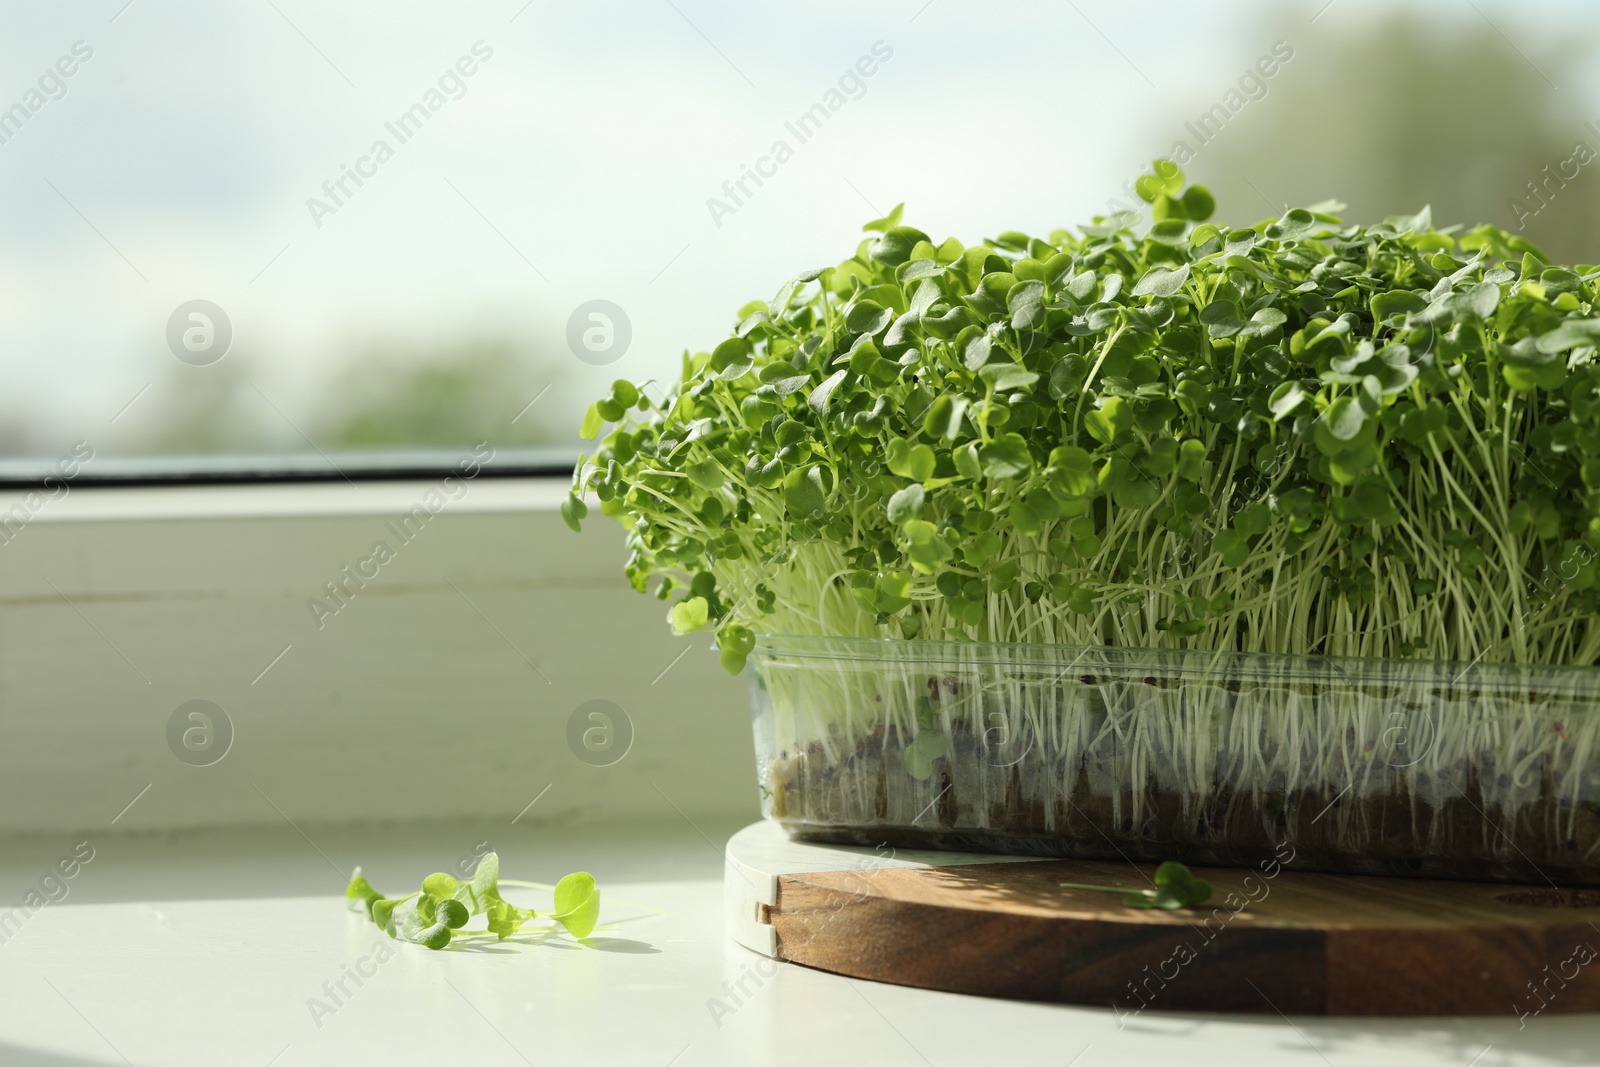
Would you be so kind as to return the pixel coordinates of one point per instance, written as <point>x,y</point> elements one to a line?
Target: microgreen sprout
<point>449,916</point>
<point>444,906</point>
<point>1298,436</point>
<point>1174,888</point>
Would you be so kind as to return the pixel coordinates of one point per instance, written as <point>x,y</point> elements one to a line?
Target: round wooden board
<point>1269,940</point>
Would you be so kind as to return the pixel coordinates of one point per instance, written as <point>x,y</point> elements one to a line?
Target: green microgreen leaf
<point>895,245</point>
<point>361,889</point>
<point>914,461</point>
<point>734,645</point>
<point>448,917</point>
<point>573,512</point>
<point>928,746</point>
<point>439,886</point>
<point>505,920</point>
<point>1161,281</point>
<point>1006,456</point>
<point>804,492</point>
<point>577,904</point>
<point>906,504</point>
<point>1007,376</point>
<point>689,615</point>
<point>888,222</point>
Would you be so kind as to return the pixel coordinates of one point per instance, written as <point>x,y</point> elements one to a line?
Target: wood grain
<point>1286,941</point>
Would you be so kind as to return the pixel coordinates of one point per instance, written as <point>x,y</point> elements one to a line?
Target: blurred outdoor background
<point>429,305</point>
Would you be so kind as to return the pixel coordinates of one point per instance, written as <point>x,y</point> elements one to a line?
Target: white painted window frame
<point>441,688</point>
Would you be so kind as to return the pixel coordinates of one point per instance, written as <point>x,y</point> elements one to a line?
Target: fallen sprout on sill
<point>444,906</point>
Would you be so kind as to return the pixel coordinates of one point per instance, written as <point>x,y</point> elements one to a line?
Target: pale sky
<point>575,165</point>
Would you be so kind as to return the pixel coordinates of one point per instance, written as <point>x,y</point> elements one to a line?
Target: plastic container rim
<point>1184,663</point>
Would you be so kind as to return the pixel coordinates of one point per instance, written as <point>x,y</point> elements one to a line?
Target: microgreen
<point>444,905</point>
<point>1300,436</point>
<point>448,917</point>
<point>1174,888</point>
<point>577,904</point>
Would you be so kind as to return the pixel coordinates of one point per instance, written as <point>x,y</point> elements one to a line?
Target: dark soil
<point>1038,806</point>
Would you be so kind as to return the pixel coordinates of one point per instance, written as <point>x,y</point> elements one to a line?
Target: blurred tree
<point>384,397</point>
<point>433,399</point>
<point>1394,112</point>
<point>201,411</point>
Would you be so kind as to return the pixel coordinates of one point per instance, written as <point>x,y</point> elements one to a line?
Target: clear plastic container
<point>1484,771</point>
